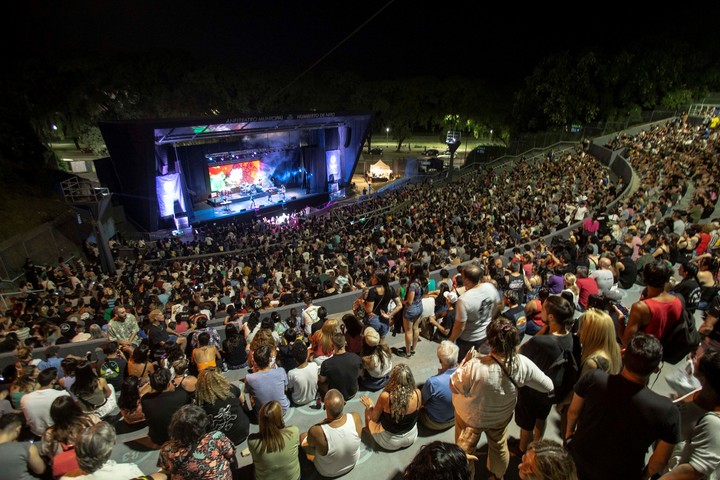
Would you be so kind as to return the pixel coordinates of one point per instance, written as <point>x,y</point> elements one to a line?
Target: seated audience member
<point>321,346</point>
<point>274,448</point>
<point>603,449</point>
<point>205,355</point>
<point>267,382</point>
<point>69,423</point>
<point>547,460</point>
<point>196,451</point>
<point>437,411</point>
<point>52,360</point>
<point>36,405</point>
<point>129,402</point>
<point>392,422</point>
<point>377,362</point>
<point>353,330</point>
<point>159,406</point>
<point>21,460</point>
<point>341,371</point>
<point>303,379</point>
<point>222,401</point>
<point>140,366</point>
<point>112,369</point>
<point>586,285</point>
<point>93,451</point>
<point>285,352</point>
<point>441,323</point>
<point>183,379</point>
<point>698,453</point>
<point>94,394</point>
<point>334,444</point>
<point>439,461</point>
<point>234,348</point>
<point>69,365</point>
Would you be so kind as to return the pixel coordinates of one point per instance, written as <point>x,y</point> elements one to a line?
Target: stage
<point>295,199</point>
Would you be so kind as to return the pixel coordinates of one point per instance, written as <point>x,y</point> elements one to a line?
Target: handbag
<point>64,461</point>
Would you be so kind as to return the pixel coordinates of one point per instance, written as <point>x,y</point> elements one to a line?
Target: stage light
<point>53,126</point>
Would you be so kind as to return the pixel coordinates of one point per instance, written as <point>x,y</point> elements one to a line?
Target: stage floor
<point>295,198</point>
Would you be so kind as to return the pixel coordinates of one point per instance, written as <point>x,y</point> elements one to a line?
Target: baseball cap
<point>372,337</point>
<point>451,296</point>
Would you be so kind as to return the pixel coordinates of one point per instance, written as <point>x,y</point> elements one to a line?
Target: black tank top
<point>404,425</point>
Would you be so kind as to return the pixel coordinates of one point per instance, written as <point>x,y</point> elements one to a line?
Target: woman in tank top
<point>392,422</point>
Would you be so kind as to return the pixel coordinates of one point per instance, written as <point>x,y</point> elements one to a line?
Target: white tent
<point>380,170</point>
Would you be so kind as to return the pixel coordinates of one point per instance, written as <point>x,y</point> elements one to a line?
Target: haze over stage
<point>160,170</point>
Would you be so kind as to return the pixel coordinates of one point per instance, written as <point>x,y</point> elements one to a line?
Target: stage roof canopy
<point>174,131</point>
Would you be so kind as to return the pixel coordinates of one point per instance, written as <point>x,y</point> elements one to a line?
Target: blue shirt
<point>437,397</point>
<point>52,362</point>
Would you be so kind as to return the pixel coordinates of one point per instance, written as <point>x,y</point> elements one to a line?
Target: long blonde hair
<point>400,387</point>
<point>211,386</point>
<point>597,336</point>
<point>570,281</point>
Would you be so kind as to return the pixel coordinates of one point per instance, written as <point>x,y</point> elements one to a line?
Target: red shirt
<point>664,315</point>
<point>587,287</point>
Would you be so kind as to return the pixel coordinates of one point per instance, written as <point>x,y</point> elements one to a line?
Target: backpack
<point>564,372</point>
<point>682,338</point>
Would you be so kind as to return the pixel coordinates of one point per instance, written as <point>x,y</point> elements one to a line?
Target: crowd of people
<point>542,327</point>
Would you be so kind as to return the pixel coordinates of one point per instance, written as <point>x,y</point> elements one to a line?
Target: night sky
<point>387,39</point>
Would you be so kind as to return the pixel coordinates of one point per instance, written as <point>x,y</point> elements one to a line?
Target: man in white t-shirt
<point>479,304</point>
<point>36,405</point>
<point>303,379</point>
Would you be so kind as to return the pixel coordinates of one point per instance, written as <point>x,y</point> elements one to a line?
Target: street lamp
<point>387,136</point>
<point>491,135</point>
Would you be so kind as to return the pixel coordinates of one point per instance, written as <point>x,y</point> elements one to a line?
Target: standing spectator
<point>514,311</point>
<point>417,285</point>
<point>698,455</point>
<point>21,460</point>
<point>485,391</point>
<point>341,371</point>
<point>626,267</point>
<point>196,451</point>
<point>689,286</point>
<point>392,422</point>
<point>437,412</point>
<point>334,444</point>
<point>605,408</point>
<point>657,310</point>
<point>303,379</point>
<point>479,304</point>
<point>379,300</point>
<point>274,448</point>
<point>533,407</point>
<point>222,401</point>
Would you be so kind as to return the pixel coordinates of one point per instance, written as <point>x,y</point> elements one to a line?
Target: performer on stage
<point>252,200</point>
<point>282,192</point>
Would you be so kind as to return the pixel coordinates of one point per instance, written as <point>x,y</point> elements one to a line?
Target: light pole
<point>491,135</point>
<point>387,137</point>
